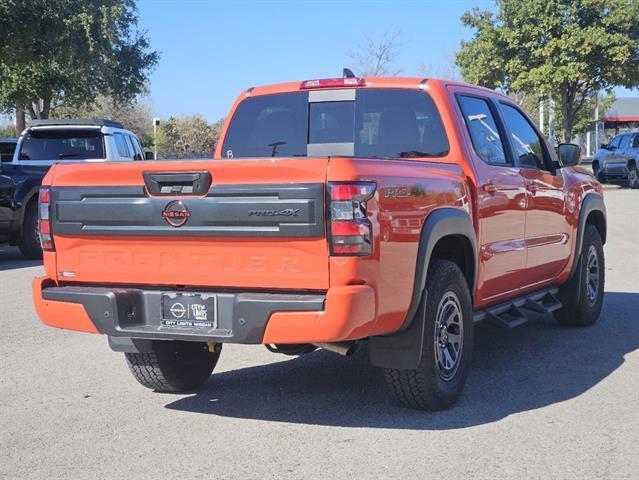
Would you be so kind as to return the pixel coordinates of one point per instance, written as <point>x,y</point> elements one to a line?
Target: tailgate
<point>260,223</point>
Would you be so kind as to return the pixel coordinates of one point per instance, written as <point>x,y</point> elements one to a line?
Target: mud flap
<point>569,292</point>
<point>402,350</point>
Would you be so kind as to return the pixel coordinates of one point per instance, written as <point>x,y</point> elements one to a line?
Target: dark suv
<point>618,159</point>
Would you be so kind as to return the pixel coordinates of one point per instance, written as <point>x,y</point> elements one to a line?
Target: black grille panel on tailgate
<point>226,211</point>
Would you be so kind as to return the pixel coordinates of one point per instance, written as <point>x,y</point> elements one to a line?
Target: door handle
<point>489,187</point>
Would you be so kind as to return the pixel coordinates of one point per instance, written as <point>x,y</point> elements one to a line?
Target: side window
<point>625,141</point>
<point>133,150</point>
<point>483,130</point>
<point>635,144</point>
<point>527,145</point>
<point>615,142</point>
<point>120,144</point>
<point>136,141</point>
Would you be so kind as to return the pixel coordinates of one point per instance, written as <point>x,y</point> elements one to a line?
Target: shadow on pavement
<point>11,259</point>
<point>514,371</point>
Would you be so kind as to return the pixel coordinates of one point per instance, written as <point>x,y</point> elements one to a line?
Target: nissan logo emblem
<point>175,213</point>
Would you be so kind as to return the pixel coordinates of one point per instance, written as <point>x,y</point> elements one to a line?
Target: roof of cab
<point>370,82</point>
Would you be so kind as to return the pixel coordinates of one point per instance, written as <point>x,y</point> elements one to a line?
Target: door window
<point>526,143</point>
<point>615,142</point>
<point>120,144</point>
<point>133,148</point>
<point>635,144</point>
<point>483,130</point>
<point>625,141</point>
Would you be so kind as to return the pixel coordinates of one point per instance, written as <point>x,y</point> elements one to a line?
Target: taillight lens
<point>44,222</point>
<point>350,231</point>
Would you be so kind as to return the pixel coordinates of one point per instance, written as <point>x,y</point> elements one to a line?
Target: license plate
<point>189,310</point>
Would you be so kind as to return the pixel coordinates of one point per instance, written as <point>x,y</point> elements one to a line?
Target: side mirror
<point>149,156</point>
<point>604,146</point>
<point>569,154</point>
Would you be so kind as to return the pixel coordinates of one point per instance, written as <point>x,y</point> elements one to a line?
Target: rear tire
<point>596,170</point>
<point>174,366</point>
<point>439,379</point>
<point>582,296</point>
<point>29,243</point>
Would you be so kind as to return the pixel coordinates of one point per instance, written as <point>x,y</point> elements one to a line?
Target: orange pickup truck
<point>398,212</point>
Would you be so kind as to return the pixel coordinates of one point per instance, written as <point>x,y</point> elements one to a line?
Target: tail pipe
<point>342,348</point>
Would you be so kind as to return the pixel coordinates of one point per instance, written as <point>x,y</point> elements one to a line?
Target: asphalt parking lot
<point>541,401</point>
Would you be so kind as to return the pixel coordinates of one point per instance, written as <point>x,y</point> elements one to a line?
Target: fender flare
<point>591,202</point>
<point>403,348</point>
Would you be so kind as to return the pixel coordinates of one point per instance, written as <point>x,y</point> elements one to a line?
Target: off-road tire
<point>29,243</point>
<point>579,308</point>
<point>174,366</point>
<point>424,387</point>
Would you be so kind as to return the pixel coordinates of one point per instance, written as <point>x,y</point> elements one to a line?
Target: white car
<point>41,145</point>
<point>46,142</point>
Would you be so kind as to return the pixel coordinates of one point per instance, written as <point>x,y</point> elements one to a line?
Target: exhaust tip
<point>345,349</point>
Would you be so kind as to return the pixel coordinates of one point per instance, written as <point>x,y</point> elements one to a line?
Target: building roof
<point>623,110</point>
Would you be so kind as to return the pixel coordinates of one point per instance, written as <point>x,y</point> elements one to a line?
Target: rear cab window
<point>373,123</point>
<point>62,144</point>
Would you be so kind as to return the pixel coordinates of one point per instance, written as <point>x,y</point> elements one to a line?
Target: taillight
<point>350,231</point>
<point>44,222</point>
<point>333,83</point>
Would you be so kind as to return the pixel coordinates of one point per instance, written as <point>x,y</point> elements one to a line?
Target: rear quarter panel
<point>407,192</point>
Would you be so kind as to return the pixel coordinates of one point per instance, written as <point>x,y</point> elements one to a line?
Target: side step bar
<point>513,313</point>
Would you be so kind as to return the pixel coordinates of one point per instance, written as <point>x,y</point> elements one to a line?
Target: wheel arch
<point>444,232</point>
<point>593,212</point>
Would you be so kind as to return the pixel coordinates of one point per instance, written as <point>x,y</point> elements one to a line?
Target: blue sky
<point>212,50</point>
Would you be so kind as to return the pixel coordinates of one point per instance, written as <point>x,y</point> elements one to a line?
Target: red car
<point>401,211</point>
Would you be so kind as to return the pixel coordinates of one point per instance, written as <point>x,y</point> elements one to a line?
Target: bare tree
<point>445,69</point>
<point>375,59</point>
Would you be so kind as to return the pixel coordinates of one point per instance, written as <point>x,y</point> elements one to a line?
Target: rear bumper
<point>343,313</point>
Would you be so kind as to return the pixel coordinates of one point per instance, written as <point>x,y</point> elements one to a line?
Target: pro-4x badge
<point>175,213</point>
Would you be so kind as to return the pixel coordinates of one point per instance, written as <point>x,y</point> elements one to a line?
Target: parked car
<point>43,144</point>
<point>398,210</point>
<point>618,159</point>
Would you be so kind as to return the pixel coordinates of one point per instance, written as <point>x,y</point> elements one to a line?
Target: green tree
<point>135,115</point>
<point>570,49</point>
<point>7,131</point>
<point>188,134</point>
<point>57,52</point>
